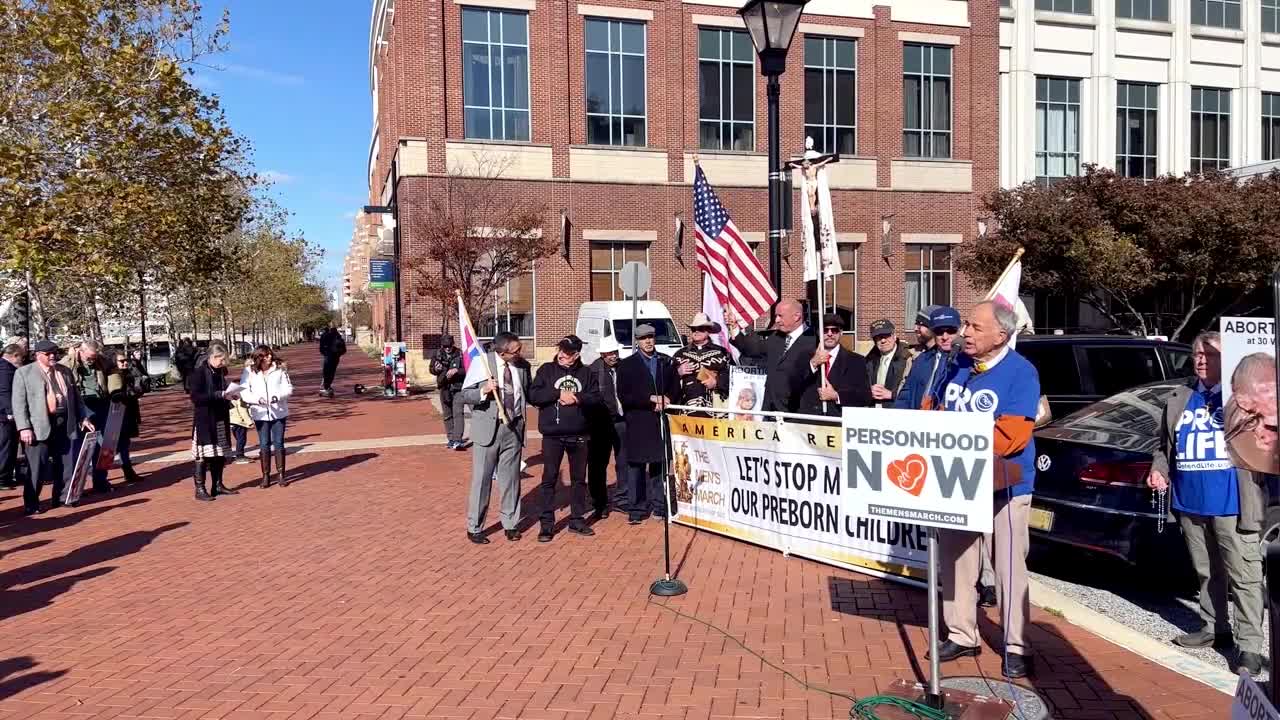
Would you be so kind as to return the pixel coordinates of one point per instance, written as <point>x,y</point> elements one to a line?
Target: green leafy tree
<point>1129,249</point>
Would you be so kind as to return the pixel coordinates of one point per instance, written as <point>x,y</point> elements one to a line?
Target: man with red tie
<point>846,384</point>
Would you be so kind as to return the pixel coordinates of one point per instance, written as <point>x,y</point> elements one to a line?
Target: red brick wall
<point>421,98</point>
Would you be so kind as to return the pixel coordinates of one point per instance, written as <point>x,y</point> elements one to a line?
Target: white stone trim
<point>928,175</point>
<point>518,161</point>
<point>529,5</point>
<point>854,238</point>
<point>729,21</point>
<point>1217,33</point>
<point>931,238</point>
<point>832,30</point>
<point>928,38</point>
<point>1147,26</point>
<point>627,236</point>
<point>1065,18</point>
<point>621,13</point>
<point>754,238</point>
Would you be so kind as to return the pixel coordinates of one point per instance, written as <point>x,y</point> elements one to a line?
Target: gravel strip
<point>1111,589</point>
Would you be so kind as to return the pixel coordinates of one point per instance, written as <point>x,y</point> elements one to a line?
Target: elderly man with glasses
<point>924,383</point>
<point>1219,506</point>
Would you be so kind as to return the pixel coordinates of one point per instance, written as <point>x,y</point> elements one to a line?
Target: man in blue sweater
<point>991,378</point>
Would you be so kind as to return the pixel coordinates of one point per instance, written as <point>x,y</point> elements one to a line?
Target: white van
<point>598,320</point>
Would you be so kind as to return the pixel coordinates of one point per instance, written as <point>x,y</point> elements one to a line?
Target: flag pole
<point>1016,257</point>
<point>484,358</point>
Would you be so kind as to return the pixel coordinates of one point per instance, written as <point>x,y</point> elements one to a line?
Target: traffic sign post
<point>634,280</point>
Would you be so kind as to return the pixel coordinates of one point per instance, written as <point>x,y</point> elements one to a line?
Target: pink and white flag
<point>714,311</point>
<point>1005,293</point>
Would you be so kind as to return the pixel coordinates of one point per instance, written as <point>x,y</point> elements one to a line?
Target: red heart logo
<point>909,473</point>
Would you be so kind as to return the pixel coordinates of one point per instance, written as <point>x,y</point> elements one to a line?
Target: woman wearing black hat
<point>211,422</point>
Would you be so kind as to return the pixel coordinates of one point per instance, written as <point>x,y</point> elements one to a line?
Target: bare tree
<point>475,236</point>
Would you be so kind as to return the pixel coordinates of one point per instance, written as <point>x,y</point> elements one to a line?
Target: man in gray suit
<point>50,416</point>
<point>497,445</point>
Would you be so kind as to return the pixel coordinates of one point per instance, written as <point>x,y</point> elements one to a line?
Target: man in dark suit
<point>646,382</point>
<point>846,372</point>
<point>791,344</point>
<point>11,360</point>
<point>608,428</point>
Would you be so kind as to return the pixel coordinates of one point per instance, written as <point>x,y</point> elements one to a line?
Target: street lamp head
<point>772,24</point>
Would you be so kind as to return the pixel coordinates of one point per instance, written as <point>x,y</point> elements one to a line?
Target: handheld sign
<point>927,468</point>
<point>1251,703</point>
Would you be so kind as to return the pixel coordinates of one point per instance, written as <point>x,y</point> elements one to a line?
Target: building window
<point>842,290</point>
<point>1137,105</point>
<point>1270,126</point>
<point>1057,129</point>
<point>928,278</point>
<point>1144,9</point>
<point>1216,13</point>
<point>1210,129</point>
<point>926,98</point>
<point>726,90</point>
<point>830,94</point>
<point>511,309</point>
<point>495,74</point>
<point>615,74</point>
<point>1271,16</point>
<point>607,259</point>
<point>1082,7</point>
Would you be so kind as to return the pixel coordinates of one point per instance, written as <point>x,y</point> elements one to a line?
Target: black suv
<point>1076,370</point>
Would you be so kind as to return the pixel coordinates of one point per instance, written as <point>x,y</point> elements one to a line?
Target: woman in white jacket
<point>266,390</point>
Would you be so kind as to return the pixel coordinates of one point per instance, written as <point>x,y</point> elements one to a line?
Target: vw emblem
<point>1043,463</point>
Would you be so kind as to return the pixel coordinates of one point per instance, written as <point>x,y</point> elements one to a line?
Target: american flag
<point>736,276</point>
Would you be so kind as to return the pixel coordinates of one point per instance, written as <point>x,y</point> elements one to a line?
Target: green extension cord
<point>864,709</point>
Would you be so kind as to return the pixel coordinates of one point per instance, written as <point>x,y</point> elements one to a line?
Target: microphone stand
<point>666,586</point>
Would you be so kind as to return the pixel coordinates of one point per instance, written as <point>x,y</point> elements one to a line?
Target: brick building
<point>599,110</point>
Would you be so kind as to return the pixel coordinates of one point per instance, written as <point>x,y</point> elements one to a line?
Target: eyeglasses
<point>831,331</point>
<point>947,331</point>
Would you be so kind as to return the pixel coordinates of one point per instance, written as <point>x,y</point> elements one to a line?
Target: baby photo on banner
<point>746,390</point>
<point>1248,415</point>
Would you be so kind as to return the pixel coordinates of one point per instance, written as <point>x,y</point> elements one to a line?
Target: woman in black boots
<point>126,386</point>
<point>211,422</point>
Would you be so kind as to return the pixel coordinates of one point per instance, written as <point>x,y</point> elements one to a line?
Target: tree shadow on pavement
<point>12,683</point>
<point>50,574</point>
<point>1062,674</point>
<point>327,467</point>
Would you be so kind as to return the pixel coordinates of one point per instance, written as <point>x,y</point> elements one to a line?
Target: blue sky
<point>295,83</point>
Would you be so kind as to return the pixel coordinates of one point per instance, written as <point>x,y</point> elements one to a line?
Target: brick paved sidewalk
<point>354,594</point>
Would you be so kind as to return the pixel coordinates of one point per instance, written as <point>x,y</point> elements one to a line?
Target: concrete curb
<point>1159,652</point>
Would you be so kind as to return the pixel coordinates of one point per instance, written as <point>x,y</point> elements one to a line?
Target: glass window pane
<point>475,25</point>
<point>597,35</point>
<point>597,83</point>
<point>813,49</point>
<point>632,37</point>
<point>846,54</point>
<point>942,61</point>
<point>708,90</point>
<point>517,125</point>
<point>601,286</point>
<point>846,142</point>
<point>941,104</point>
<point>633,89</point>
<point>911,102</point>
<point>475,75</point>
<point>516,80</point>
<point>615,83</point>
<point>845,98</point>
<point>515,28</point>
<point>743,92</point>
<point>911,58</point>
<point>813,96</point>
<point>709,135</point>
<point>742,49</point>
<point>598,130</point>
<point>708,43</point>
<point>633,131</point>
<point>743,137</point>
<point>477,122</point>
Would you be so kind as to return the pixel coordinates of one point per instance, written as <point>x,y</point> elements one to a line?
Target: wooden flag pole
<point>484,358</point>
<point>1016,257</point>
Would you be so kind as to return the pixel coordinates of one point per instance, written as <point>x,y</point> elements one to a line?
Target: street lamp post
<point>772,25</point>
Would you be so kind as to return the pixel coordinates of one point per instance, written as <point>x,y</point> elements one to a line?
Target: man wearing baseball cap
<point>562,391</point>
<point>646,383</point>
<point>924,334</point>
<point>888,363</point>
<point>50,416</point>
<point>922,385</point>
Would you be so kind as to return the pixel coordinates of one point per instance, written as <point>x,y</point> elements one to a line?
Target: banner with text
<point>783,486</point>
<point>1248,394</point>
<point>930,468</point>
